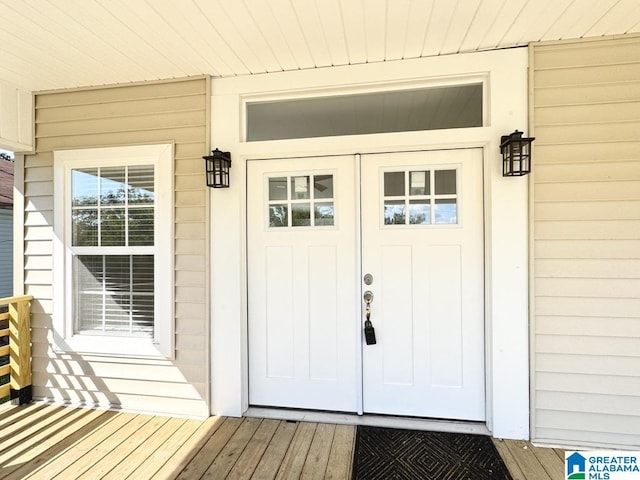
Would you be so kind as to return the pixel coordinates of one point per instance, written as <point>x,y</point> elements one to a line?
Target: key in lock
<point>369,331</point>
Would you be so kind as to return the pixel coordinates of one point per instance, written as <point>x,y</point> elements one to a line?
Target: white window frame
<point>66,340</point>
<point>291,201</point>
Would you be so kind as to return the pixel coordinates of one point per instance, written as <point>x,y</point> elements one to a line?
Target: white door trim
<point>506,216</point>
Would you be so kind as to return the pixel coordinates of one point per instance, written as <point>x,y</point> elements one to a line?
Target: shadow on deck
<point>54,442</point>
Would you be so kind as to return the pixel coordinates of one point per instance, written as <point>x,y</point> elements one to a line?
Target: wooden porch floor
<point>53,442</point>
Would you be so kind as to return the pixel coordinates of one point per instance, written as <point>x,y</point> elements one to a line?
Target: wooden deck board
<point>81,445</point>
<point>340,464</point>
<point>230,453</point>
<point>315,465</point>
<point>549,460</point>
<point>527,460</point>
<point>19,444</point>
<point>214,445</point>
<point>118,458</point>
<point>271,460</point>
<point>113,438</point>
<point>165,452</point>
<point>509,460</point>
<point>35,420</point>
<point>61,442</point>
<point>294,459</point>
<point>45,451</point>
<point>146,450</point>
<point>559,452</point>
<point>248,461</point>
<point>194,436</point>
<point>15,414</point>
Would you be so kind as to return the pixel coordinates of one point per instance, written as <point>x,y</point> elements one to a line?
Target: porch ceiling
<point>50,44</point>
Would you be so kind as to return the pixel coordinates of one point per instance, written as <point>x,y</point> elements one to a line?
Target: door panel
<point>422,242</point>
<point>302,298</point>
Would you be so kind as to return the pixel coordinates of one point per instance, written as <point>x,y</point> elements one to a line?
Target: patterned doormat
<point>391,454</point>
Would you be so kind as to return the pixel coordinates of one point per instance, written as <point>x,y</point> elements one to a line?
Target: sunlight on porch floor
<point>53,442</point>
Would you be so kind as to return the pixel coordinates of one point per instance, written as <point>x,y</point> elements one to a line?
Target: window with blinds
<point>112,243</point>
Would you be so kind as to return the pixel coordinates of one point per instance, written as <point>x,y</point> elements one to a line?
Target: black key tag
<point>369,333</point>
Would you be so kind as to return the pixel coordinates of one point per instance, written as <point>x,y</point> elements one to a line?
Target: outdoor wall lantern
<point>217,167</point>
<point>516,154</point>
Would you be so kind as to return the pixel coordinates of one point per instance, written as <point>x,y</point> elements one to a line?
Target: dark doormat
<point>391,454</point>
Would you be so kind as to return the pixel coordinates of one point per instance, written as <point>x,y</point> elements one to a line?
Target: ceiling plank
<point>417,26</point>
<point>48,44</point>
<point>290,25</point>
<point>209,49</point>
<point>439,25</point>
<point>571,19</point>
<point>464,15</point>
<point>243,34</point>
<point>331,20</point>
<point>146,26</point>
<point>57,49</point>
<point>375,21</point>
<point>397,19</point>
<point>112,61</point>
<point>266,21</point>
<point>483,22</point>
<point>307,14</point>
<point>503,20</point>
<point>231,34</point>
<point>354,30</point>
<point>624,15</point>
<point>518,29</point>
<point>123,41</point>
<point>35,54</point>
<point>533,23</point>
<point>24,73</point>
<point>590,17</point>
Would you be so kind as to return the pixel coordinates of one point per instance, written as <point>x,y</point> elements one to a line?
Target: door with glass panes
<point>405,227</point>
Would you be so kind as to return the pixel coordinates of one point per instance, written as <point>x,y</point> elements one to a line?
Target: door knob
<point>368,297</point>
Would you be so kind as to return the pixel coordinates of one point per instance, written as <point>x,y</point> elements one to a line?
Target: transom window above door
<point>420,197</point>
<point>301,200</point>
<point>404,110</point>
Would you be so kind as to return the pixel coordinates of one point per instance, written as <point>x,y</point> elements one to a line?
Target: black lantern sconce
<point>217,167</point>
<point>516,154</point>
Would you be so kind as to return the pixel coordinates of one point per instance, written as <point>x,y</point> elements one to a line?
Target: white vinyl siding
<point>6,252</point>
<point>586,242</point>
<point>175,112</point>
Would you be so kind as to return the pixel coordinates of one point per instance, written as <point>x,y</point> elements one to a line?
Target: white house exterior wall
<point>506,226</point>
<point>586,242</point>
<point>175,112</point>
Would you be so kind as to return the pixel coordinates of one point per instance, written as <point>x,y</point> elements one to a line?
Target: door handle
<point>369,331</point>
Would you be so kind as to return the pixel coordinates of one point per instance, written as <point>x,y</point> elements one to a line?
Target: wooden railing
<point>15,344</point>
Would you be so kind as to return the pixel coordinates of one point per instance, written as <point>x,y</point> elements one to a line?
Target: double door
<point>403,231</point>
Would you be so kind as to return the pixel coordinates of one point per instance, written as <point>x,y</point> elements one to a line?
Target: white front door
<point>302,299</point>
<point>422,245</point>
<point>416,230</point>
